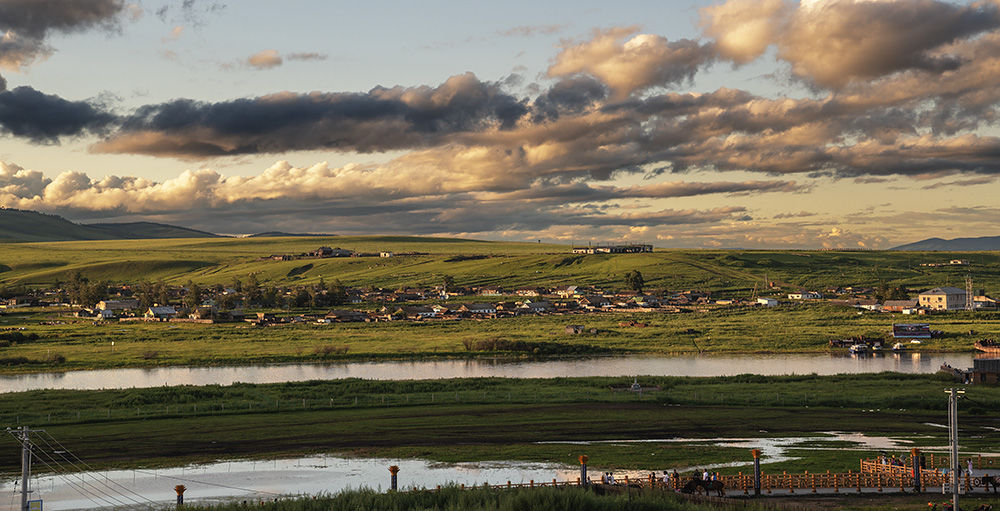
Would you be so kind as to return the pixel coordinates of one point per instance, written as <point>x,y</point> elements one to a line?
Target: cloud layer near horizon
<point>896,88</point>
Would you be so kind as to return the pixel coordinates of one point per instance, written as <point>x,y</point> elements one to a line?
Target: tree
<point>302,298</point>
<point>634,280</point>
<point>336,293</point>
<point>193,297</point>
<point>448,281</point>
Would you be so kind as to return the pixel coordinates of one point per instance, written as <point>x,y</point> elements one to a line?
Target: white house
<point>805,295</point>
<point>767,301</point>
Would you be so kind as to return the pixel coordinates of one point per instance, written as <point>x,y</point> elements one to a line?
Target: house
<point>490,291</point>
<point>478,308</point>
<point>528,291</point>
<point>595,302</point>
<point>536,307</point>
<point>160,312</point>
<point>943,298</point>
<point>413,312</point>
<point>565,291</point>
<point>118,305</point>
<point>983,302</point>
<point>22,301</point>
<point>266,317</point>
<point>322,252</point>
<point>767,301</point>
<point>805,295</point>
<point>904,306</point>
<point>985,370</point>
<point>911,330</point>
<point>345,316</point>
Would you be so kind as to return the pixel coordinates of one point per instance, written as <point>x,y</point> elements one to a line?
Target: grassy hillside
<point>470,262</point>
<point>29,226</point>
<point>17,225</point>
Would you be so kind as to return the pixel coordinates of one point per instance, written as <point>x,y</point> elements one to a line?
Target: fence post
<point>531,483</point>
<point>915,463</point>
<point>756,471</point>
<point>393,470</point>
<point>836,482</point>
<point>878,480</point>
<point>788,481</point>
<point>812,481</point>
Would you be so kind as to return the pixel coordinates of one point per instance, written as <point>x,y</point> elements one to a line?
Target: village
<point>444,302</point>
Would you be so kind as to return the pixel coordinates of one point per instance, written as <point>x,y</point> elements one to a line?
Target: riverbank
<point>65,344</point>
<point>505,419</point>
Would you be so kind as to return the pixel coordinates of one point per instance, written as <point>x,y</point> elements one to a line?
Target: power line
<point>63,450</point>
<point>72,484</point>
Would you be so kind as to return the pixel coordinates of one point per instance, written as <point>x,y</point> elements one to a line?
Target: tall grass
<point>480,499</point>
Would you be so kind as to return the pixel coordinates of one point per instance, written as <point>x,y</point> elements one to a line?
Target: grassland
<point>491,419</point>
<point>222,260</point>
<point>68,344</point>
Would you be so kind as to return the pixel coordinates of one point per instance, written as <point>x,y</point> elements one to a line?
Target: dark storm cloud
<point>28,113</point>
<point>36,18</point>
<point>381,119</point>
<point>569,96</point>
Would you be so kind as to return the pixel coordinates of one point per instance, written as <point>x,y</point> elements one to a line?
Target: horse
<point>700,484</point>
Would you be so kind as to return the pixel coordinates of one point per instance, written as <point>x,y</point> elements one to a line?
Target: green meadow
<point>470,262</point>
<point>66,343</point>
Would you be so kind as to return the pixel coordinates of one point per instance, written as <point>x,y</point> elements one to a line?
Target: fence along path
<point>874,475</point>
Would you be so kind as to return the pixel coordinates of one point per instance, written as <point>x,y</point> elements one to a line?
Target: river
<point>679,365</point>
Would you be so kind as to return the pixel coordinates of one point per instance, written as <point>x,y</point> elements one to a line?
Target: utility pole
<point>24,435</point>
<point>956,467</point>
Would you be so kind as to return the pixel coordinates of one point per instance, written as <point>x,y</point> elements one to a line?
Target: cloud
<point>43,118</point>
<point>25,24</point>
<point>190,12</point>
<point>379,120</point>
<point>265,59</point>
<point>175,33</point>
<point>307,56</point>
<point>831,43</point>
<point>630,63</point>
<point>531,30</point>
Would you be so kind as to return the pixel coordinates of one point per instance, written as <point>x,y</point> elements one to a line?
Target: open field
<point>491,419</point>
<point>70,344</point>
<point>213,261</point>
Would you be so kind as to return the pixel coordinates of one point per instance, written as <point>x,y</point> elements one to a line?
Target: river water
<point>679,365</point>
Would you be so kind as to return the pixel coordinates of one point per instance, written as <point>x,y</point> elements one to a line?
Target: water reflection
<point>680,365</point>
<point>264,480</point>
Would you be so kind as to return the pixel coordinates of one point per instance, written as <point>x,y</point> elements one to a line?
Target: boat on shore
<point>858,349</point>
<point>898,347</point>
<point>988,346</point>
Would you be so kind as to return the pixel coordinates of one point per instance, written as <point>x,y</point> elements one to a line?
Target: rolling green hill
<point>471,262</point>
<point>28,226</point>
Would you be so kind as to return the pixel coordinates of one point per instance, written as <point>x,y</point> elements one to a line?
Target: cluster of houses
<point>534,301</point>
<point>938,299</point>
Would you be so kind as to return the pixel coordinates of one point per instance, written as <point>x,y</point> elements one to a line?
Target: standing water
<point>679,365</point>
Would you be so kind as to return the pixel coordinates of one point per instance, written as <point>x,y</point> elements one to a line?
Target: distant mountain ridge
<point>954,245</point>
<point>28,226</point>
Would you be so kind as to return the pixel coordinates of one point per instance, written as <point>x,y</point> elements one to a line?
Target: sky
<point>861,124</point>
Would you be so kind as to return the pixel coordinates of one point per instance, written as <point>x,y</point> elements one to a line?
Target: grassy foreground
<point>576,499</point>
<point>501,419</point>
<point>65,344</point>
